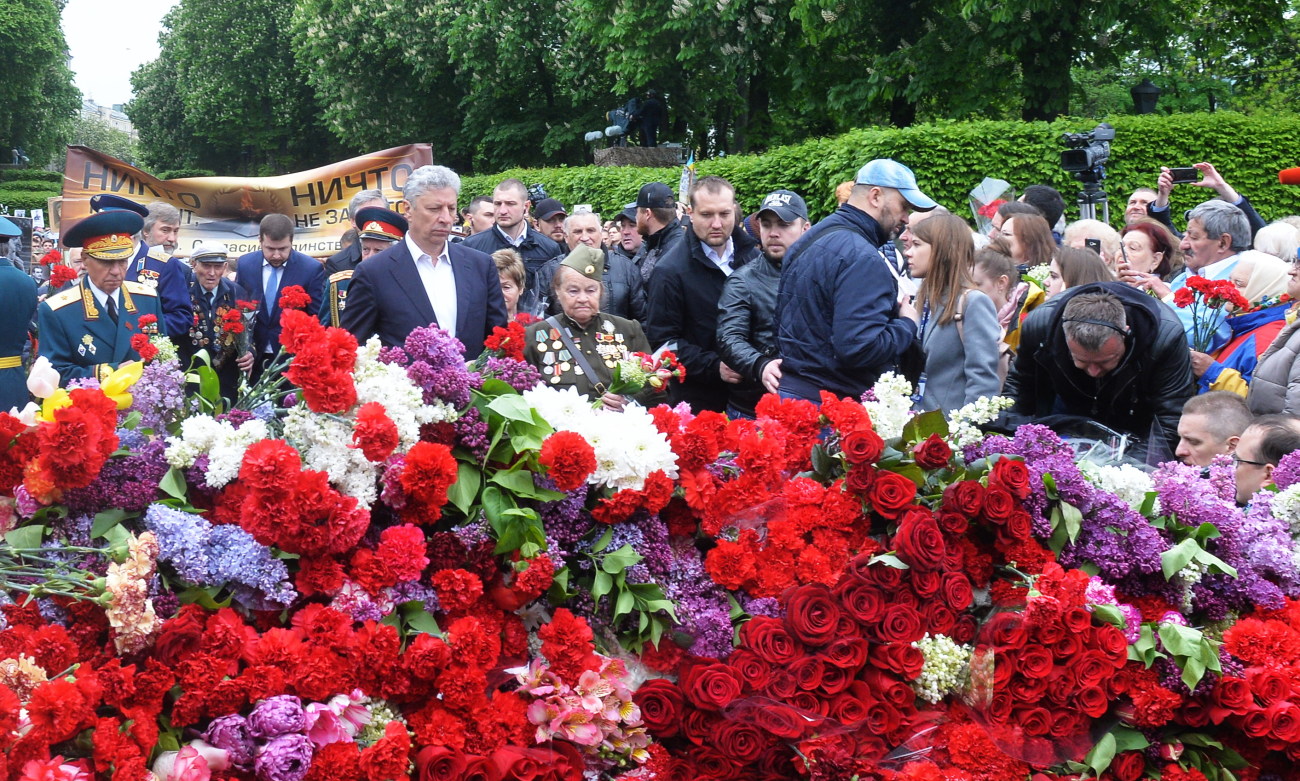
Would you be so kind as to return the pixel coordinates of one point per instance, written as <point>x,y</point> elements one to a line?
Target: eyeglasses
<point>1238,461</point>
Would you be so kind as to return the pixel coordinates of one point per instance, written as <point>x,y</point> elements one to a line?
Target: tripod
<point>1092,195</point>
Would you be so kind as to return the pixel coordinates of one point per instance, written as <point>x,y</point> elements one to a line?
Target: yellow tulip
<point>55,401</point>
<point>117,385</point>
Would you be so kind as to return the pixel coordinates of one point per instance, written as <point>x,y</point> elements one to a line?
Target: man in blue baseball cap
<point>841,322</point>
<point>155,267</point>
<point>17,305</point>
<point>86,331</point>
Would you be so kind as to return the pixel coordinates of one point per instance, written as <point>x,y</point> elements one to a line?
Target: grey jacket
<point>1275,386</point>
<point>960,370</point>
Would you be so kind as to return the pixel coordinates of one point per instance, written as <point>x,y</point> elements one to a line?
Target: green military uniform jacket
<point>605,340</point>
<point>80,340</point>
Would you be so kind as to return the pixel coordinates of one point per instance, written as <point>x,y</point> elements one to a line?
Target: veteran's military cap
<point>587,261</point>
<point>107,235</point>
<point>379,223</point>
<point>8,230</point>
<point>209,253</point>
<point>105,202</point>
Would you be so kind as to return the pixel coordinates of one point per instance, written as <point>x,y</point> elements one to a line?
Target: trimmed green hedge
<point>29,174</point>
<point>32,186</point>
<point>24,199</point>
<point>186,173</point>
<point>951,158</point>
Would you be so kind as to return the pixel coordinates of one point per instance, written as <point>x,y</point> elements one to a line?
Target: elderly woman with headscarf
<point>580,347</point>
<point>1262,280</point>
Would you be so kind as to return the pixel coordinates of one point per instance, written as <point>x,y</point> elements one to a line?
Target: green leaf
<point>1049,484</point>
<point>512,407</point>
<point>1110,614</point>
<point>518,482</point>
<point>209,383</point>
<point>1177,557</point>
<point>173,483</point>
<point>496,387</point>
<point>419,619</point>
<point>920,427</point>
<point>1073,520</point>
<point>601,585</point>
<point>1148,504</point>
<point>464,491</point>
<point>822,462</point>
<point>620,560</point>
<point>624,604</point>
<point>1129,739</point>
<point>1215,564</point>
<point>105,521</point>
<point>25,537</point>
<point>168,742</point>
<point>1102,754</point>
<point>603,542</point>
<point>1180,640</point>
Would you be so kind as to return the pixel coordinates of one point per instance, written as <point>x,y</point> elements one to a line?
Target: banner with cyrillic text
<point>227,209</point>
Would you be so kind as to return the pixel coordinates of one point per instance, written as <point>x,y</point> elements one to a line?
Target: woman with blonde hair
<point>960,332</point>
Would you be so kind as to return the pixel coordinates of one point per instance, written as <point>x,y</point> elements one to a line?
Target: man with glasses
<point>1262,446</point>
<point>840,320</point>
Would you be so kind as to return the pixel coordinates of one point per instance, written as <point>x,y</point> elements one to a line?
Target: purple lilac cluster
<point>472,433</point>
<point>1287,471</point>
<point>1259,547</point>
<point>702,606</point>
<point>159,395</point>
<point>565,521</point>
<point>272,741</point>
<point>207,555</point>
<point>435,362</point>
<point>519,375</point>
<point>1115,538</point>
<point>129,483</point>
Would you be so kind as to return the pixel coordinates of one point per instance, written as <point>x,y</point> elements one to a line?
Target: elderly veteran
<point>580,347</point>
<point>380,229</point>
<point>214,299</point>
<point>86,331</point>
<point>17,305</point>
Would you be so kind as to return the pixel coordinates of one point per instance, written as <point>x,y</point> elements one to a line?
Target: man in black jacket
<point>747,308</point>
<point>510,203</point>
<point>1105,352</point>
<point>656,220</point>
<point>684,293</point>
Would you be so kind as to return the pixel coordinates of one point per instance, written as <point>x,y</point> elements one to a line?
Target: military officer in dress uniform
<point>216,306</point>
<point>380,229</point>
<point>154,266</point>
<point>580,346</point>
<point>86,331</point>
<point>17,305</point>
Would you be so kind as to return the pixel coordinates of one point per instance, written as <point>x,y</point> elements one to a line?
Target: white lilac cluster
<point>323,442</point>
<point>403,400</point>
<point>964,424</point>
<point>166,349</point>
<point>1186,578</point>
<point>628,446</point>
<point>1038,275</point>
<point>222,443</point>
<point>1286,507</point>
<point>1124,480</point>
<point>890,406</point>
<point>945,668</point>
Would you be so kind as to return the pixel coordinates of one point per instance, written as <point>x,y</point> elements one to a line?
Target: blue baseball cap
<point>106,202</point>
<point>884,172</point>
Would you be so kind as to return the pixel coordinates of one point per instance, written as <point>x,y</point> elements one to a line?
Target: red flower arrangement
<point>569,459</point>
<point>294,297</point>
<point>323,359</point>
<point>374,433</point>
<point>1206,298</point>
<point>507,342</point>
<point>61,275</point>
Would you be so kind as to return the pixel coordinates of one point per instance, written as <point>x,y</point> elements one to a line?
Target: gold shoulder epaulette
<point>339,276</point>
<point>158,253</point>
<point>139,289</point>
<point>60,300</point>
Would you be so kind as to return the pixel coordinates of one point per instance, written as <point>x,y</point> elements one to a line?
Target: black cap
<point>785,204</point>
<point>628,213</point>
<point>107,202</point>
<point>655,196</point>
<point>548,208</point>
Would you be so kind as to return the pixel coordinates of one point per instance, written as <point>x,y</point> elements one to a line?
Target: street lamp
<point>1144,97</point>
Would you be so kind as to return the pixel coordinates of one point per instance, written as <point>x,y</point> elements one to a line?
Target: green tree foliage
<point>95,133</point>
<point>37,98</point>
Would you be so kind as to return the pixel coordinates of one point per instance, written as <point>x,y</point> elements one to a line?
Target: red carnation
<point>457,589</point>
<point>62,275</point>
<point>569,459</point>
<point>374,433</point>
<point>402,549</point>
<point>294,297</point>
<point>508,341</point>
<point>429,470</point>
<point>143,347</point>
<point>567,645</point>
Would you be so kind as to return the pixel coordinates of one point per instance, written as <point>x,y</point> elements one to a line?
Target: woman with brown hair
<point>1029,238</point>
<point>1148,249</point>
<point>1073,267</point>
<point>960,332</point>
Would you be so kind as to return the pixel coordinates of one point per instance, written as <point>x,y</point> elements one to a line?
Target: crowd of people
<point>1089,329</point>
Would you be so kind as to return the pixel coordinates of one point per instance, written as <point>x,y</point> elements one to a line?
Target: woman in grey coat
<point>1275,385</point>
<point>959,325</point>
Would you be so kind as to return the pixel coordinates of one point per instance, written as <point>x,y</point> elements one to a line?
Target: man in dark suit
<point>424,279</point>
<point>214,297</point>
<point>266,273</point>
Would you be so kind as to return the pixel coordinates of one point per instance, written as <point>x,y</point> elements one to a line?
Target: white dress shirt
<point>723,260</point>
<point>439,283</point>
<point>523,234</point>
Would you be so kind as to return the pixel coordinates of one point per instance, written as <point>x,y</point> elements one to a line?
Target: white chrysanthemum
<point>1125,481</point>
<point>1286,506</point>
<point>893,405</point>
<point>403,401</point>
<point>627,445</point>
<point>963,425</point>
<point>222,442</point>
<point>945,669</point>
<point>323,442</point>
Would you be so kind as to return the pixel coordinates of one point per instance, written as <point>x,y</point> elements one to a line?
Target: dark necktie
<point>112,308</point>
<point>212,300</point>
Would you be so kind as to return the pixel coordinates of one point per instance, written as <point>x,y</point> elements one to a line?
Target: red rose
<point>933,453</point>
<point>1111,642</point>
<point>697,725</point>
<point>807,672</point>
<point>1267,685</point>
<point>1034,661</point>
<point>939,619</point>
<point>891,492</point>
<point>767,637</point>
<point>862,600</point>
<point>956,591</point>
<point>919,541</point>
<point>1077,620</point>
<point>1092,701</point>
<point>661,703</point>
<point>926,584</point>
<point>782,721</point>
<point>859,479</point>
<point>862,446</point>
<point>1068,724</point>
<point>964,630</point>
<point>711,686</point>
<point>440,763</point>
<point>740,742</point>
<point>1067,646</point>
<point>952,522</point>
<point>998,506</point>
<point>1256,723</point>
<point>711,765</point>
<point>1128,766</point>
<point>1232,697</point>
<point>903,659</point>
<point>1006,630</point>
<point>812,614</point>
<point>1012,475</point>
<point>901,623</point>
<point>1090,668</point>
<point>1285,720</point>
<point>846,653</point>
<point>850,707</point>
<point>1034,721</point>
<point>882,718</point>
<point>752,669</point>
<point>782,684</point>
<point>965,497</point>
<point>834,680</point>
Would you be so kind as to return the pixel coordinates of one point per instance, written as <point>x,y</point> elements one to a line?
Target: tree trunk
<point>1045,63</point>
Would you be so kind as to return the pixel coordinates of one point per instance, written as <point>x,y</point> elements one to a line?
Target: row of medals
<point>557,359</point>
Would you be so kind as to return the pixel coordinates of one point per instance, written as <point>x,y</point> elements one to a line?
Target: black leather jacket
<point>747,327</point>
<point>625,291</point>
<point>656,246</point>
